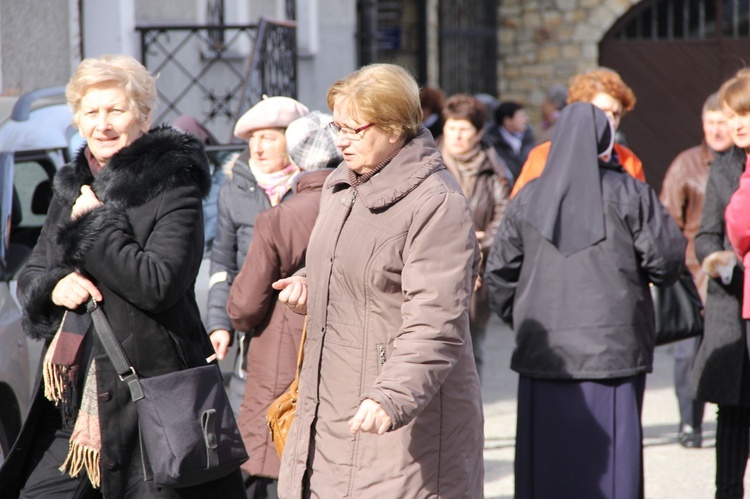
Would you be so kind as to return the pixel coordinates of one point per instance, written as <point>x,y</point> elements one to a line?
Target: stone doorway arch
<point>545,42</point>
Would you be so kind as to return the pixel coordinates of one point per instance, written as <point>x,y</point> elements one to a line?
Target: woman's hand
<point>86,202</point>
<point>719,262</point>
<point>220,341</point>
<point>370,418</point>
<point>293,293</point>
<point>478,283</point>
<point>74,290</point>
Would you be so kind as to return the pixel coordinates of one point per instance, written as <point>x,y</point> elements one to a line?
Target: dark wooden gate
<point>468,46</point>
<point>674,54</point>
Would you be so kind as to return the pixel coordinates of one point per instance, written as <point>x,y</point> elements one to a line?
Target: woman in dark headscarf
<point>570,270</point>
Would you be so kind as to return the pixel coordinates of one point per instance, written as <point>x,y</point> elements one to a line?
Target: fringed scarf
<point>61,372</point>
<point>275,184</point>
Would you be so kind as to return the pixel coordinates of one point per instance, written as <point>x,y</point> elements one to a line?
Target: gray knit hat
<point>309,144</point>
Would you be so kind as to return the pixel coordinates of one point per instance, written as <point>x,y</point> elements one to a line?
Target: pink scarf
<point>275,184</point>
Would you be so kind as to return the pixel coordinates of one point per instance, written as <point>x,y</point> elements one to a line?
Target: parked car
<point>36,139</point>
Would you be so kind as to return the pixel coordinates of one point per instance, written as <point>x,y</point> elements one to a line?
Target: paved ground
<point>672,472</point>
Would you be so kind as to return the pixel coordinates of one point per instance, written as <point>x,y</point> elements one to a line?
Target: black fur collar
<point>159,160</point>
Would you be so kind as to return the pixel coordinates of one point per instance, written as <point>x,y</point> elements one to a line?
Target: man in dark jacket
<point>513,138</point>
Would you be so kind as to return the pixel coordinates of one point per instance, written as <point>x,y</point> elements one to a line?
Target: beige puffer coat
<point>390,268</point>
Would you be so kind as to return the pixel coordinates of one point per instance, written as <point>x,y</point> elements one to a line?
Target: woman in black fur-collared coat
<point>124,227</point>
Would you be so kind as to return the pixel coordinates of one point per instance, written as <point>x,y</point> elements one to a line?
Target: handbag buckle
<point>91,305</point>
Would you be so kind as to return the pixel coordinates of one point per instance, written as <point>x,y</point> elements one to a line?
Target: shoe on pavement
<point>690,438</point>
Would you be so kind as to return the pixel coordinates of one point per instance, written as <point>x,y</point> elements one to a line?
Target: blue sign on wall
<point>389,38</point>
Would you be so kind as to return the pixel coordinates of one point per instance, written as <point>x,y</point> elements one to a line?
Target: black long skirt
<point>580,439</point>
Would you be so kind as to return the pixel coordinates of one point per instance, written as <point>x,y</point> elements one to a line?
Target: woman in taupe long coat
<point>389,403</point>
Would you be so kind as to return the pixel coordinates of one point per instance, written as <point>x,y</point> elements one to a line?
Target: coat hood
<point>417,160</point>
<point>162,159</point>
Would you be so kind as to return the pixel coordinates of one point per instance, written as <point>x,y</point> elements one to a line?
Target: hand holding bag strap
<point>114,350</point>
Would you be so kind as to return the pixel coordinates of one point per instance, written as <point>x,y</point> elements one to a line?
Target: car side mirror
<point>41,198</point>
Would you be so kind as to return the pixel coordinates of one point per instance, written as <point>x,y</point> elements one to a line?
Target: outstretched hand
<point>293,293</point>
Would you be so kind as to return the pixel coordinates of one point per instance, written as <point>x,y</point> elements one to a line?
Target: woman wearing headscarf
<point>485,181</point>
<point>570,270</point>
<point>389,402</point>
<point>124,227</point>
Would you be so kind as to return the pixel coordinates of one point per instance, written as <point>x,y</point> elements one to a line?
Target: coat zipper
<point>381,355</point>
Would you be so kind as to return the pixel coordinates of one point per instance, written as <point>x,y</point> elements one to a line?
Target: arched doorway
<point>674,53</point>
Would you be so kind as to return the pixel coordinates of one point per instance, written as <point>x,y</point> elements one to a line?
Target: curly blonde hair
<point>118,70</point>
<point>383,94</point>
<point>585,86</point>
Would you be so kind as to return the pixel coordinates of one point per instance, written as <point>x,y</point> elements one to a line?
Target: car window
<point>32,190</point>
<point>27,178</point>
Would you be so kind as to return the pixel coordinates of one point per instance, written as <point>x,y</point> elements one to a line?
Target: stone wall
<point>544,42</point>
<point>37,46</point>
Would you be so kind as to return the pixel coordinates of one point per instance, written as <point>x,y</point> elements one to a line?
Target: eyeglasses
<point>349,133</point>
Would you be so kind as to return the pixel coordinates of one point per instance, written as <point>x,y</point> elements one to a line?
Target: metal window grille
<point>687,20</point>
<point>217,82</point>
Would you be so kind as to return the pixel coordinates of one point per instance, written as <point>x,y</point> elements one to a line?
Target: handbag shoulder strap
<point>301,353</point>
<point>114,349</point>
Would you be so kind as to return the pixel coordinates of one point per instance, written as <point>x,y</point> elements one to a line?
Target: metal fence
<point>217,78</point>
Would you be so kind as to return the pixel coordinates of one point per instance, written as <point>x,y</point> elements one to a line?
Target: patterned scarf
<point>61,373</point>
<point>467,166</point>
<point>275,184</point>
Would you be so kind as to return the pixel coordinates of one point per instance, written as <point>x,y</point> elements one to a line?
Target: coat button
<point>105,396</point>
<point>109,464</point>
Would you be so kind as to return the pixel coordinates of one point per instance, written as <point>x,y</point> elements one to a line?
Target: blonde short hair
<point>735,92</point>
<point>383,94</point>
<point>117,70</point>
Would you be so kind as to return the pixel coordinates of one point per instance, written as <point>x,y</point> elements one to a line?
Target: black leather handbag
<point>678,310</point>
<point>188,431</point>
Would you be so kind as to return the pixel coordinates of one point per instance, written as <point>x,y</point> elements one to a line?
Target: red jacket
<point>737,221</point>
